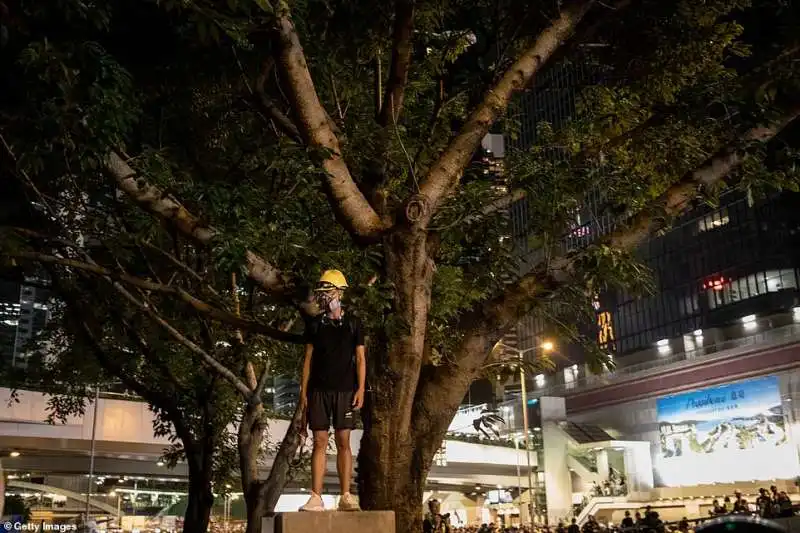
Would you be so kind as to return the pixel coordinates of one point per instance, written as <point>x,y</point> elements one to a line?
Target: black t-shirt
<point>333,361</point>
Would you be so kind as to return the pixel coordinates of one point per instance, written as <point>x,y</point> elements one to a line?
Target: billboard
<point>734,432</point>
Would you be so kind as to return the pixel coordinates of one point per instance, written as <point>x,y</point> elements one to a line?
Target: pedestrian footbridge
<point>124,444</point>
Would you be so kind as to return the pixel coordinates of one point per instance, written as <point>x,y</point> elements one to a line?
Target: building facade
<point>24,311</point>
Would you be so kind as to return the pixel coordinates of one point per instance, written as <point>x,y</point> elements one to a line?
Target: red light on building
<point>715,284</point>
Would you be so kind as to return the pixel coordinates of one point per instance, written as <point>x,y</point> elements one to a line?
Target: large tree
<point>185,154</point>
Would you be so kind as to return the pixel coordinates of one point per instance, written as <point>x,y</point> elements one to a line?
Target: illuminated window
<point>723,291</point>
<point>571,376</point>
<point>713,220</point>
<point>539,380</point>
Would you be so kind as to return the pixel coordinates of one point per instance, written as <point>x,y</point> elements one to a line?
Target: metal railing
<point>783,335</point>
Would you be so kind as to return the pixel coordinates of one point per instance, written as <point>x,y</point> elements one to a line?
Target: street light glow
<point>548,346</point>
<point>13,454</point>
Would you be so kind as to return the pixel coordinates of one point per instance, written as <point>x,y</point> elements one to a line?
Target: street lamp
<point>546,346</point>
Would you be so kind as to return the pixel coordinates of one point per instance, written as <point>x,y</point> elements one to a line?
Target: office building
<point>24,312</point>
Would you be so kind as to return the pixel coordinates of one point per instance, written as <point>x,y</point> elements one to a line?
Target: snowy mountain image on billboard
<point>734,432</point>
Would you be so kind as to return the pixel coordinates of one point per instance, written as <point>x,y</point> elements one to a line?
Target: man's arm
<point>361,370</point>
<point>361,366</point>
<point>306,373</point>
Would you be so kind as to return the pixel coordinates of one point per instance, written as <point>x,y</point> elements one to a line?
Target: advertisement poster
<point>734,432</point>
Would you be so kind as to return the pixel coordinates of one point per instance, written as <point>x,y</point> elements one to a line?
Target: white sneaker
<point>314,503</point>
<point>348,503</point>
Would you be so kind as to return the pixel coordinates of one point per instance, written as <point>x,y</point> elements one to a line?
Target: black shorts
<point>326,408</point>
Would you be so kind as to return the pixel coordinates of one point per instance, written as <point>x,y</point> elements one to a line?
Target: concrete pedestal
<point>330,522</point>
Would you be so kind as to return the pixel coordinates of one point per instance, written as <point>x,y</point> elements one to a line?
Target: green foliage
<point>605,269</point>
<point>670,83</point>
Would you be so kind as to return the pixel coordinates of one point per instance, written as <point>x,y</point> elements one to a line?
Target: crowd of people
<point>493,528</point>
<point>615,485</point>
<point>770,503</point>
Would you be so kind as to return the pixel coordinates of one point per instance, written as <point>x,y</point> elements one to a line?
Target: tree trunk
<point>398,484</point>
<point>200,498</point>
<point>283,469</point>
<point>408,418</point>
<point>261,496</point>
<point>391,470</point>
<point>256,506</point>
<point>250,437</point>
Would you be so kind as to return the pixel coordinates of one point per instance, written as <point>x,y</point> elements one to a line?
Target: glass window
<point>789,279</point>
<point>777,280</point>
<point>713,220</point>
<point>571,376</point>
<point>750,286</point>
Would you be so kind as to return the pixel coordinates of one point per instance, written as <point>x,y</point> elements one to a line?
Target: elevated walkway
<point>610,509</point>
<point>125,444</point>
<point>74,496</point>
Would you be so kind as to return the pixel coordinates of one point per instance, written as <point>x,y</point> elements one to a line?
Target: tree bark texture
<point>445,173</point>
<point>351,208</point>
<point>250,437</point>
<point>283,469</point>
<point>169,209</point>
<point>261,495</point>
<point>392,467</point>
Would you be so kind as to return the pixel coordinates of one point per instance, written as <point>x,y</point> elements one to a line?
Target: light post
<point>546,347</point>
<point>91,459</point>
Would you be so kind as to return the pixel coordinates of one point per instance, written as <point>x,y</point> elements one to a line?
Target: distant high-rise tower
<point>24,312</point>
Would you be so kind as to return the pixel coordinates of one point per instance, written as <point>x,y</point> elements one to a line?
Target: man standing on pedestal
<point>332,386</point>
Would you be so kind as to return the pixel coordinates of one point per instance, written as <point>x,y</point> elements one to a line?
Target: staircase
<point>606,502</point>
<point>580,465</point>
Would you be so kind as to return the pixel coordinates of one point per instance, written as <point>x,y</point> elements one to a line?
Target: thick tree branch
<point>351,208</point>
<point>679,196</point>
<point>169,209</point>
<point>282,466</point>
<point>392,103</point>
<point>672,202</point>
<point>156,201</point>
<point>439,388</point>
<point>447,170</point>
<point>271,111</point>
<point>504,202</point>
<point>197,304</point>
<point>262,383</point>
<point>268,107</point>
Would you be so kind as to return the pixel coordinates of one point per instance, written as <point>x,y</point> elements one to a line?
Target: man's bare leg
<point>344,459</point>
<point>318,459</point>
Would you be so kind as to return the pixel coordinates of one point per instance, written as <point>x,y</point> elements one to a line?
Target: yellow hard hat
<point>331,279</point>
